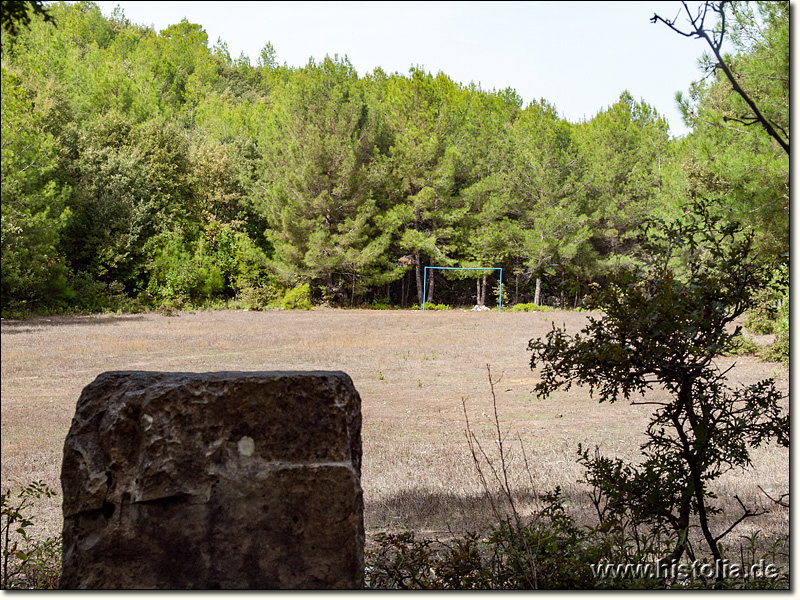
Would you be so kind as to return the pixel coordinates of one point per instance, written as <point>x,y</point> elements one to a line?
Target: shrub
<point>218,264</point>
<point>545,551</point>
<point>740,346</point>
<point>768,302</point>
<point>258,298</point>
<point>778,351</point>
<point>174,274</point>
<point>549,552</point>
<point>84,292</point>
<point>26,562</point>
<point>530,307</point>
<point>496,292</point>
<point>761,318</point>
<point>432,306</point>
<point>42,569</point>
<point>298,298</point>
<point>250,277</point>
<point>380,304</point>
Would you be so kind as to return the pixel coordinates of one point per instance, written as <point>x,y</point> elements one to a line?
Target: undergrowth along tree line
<point>144,168</point>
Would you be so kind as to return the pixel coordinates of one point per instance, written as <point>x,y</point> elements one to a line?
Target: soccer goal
<point>425,281</point>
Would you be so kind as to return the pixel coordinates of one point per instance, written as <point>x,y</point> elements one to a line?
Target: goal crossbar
<point>425,282</point>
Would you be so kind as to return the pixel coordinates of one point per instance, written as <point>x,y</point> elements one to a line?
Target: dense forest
<point>145,168</point>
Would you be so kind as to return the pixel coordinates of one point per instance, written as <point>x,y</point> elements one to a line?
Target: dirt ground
<point>416,373</point>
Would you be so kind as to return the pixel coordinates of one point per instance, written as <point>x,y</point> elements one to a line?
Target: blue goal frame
<point>425,281</point>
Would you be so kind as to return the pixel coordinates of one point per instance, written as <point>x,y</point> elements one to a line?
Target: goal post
<point>425,281</point>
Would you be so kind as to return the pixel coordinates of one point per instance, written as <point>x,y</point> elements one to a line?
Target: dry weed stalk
<point>500,476</point>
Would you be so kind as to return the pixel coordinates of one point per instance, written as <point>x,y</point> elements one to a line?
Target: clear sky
<point>579,56</point>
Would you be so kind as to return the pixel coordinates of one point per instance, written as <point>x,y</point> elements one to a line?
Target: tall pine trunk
<point>538,291</point>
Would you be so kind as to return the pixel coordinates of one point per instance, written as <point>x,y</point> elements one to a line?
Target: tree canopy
<point>144,167</point>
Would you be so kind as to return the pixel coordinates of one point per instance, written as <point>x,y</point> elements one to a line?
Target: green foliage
<point>258,298</point>
<point>315,195</point>
<point>434,306</point>
<point>33,205</point>
<point>770,314</point>
<point>628,174</point>
<point>380,304</point>
<point>431,306</point>
<point>42,568</point>
<point>761,318</point>
<point>218,263</point>
<point>185,63</point>
<point>740,346</point>
<point>768,302</point>
<point>550,552</point>
<point>524,210</point>
<point>176,274</point>
<point>86,294</point>
<point>27,562</point>
<point>780,349</point>
<point>496,291</point>
<point>130,185</point>
<point>401,561</point>
<point>664,321</point>
<point>530,307</point>
<point>423,169</point>
<point>17,13</point>
<point>731,158</point>
<point>116,135</point>
<point>298,298</point>
<point>248,273</point>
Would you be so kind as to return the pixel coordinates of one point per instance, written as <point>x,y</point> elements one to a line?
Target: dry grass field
<point>413,370</point>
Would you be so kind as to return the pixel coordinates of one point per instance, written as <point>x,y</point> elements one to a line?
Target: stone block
<point>229,480</point>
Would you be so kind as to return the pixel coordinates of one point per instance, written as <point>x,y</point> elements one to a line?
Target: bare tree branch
<point>780,501</point>
<point>715,43</point>
<point>746,514</point>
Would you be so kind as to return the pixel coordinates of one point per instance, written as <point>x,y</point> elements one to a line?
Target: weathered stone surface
<point>214,481</point>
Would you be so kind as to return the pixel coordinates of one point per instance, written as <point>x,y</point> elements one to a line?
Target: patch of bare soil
<point>416,373</point>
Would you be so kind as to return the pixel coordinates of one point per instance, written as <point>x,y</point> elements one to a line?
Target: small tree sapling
<point>664,321</point>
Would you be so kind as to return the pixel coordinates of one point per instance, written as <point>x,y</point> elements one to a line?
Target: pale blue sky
<point>579,56</point>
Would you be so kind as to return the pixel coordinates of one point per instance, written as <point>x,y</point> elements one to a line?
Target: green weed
<point>27,563</point>
<point>530,307</point>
